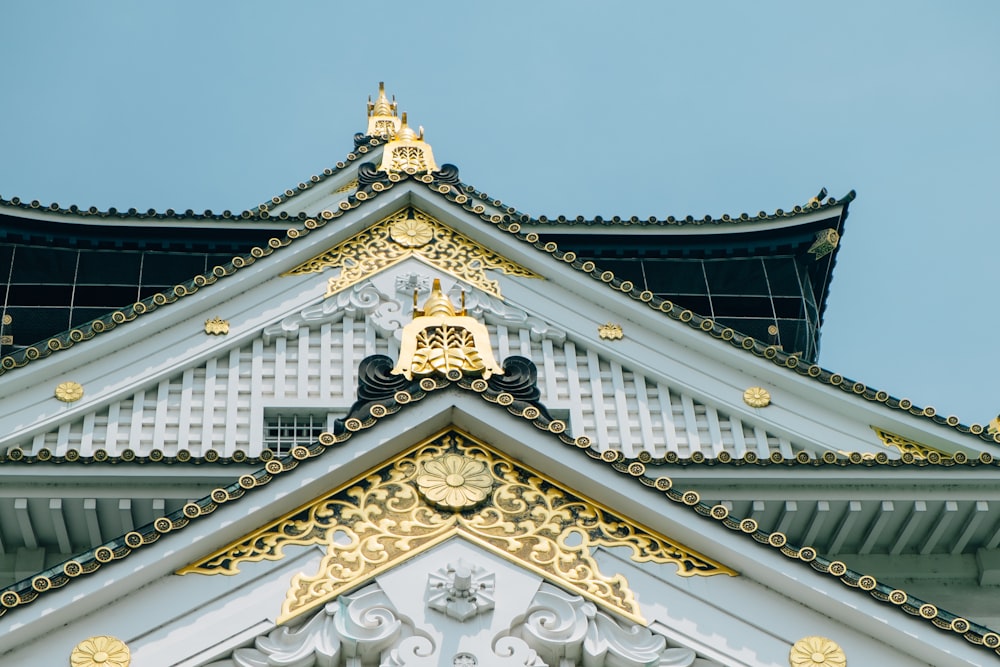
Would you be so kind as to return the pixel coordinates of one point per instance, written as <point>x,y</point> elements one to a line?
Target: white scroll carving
<point>388,313</point>
<point>497,312</point>
<point>566,630</point>
<point>355,630</point>
<point>363,299</point>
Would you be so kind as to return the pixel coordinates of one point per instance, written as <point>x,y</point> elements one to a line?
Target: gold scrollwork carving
<point>381,518</point>
<point>904,445</point>
<point>377,248</point>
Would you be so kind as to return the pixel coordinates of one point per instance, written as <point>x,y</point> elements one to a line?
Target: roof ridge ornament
<point>407,151</point>
<point>383,120</point>
<point>442,340</point>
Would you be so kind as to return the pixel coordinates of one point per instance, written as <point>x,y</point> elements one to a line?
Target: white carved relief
<point>363,300</point>
<point>565,629</point>
<point>356,630</point>
<point>461,590</point>
<point>500,313</point>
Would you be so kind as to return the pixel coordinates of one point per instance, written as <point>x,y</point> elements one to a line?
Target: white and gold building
<point>408,425</point>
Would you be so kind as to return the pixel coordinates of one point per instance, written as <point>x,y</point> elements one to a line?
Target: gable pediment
<point>454,485</point>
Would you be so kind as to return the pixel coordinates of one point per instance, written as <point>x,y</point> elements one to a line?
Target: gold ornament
<point>375,249</point>
<point>904,445</point>
<point>382,120</point>
<point>825,243</point>
<point>411,233</point>
<point>994,426</point>
<point>383,518</point>
<point>347,187</point>
<point>816,652</point>
<point>439,340</point>
<point>100,651</point>
<point>610,331</point>
<point>217,327</point>
<point>454,482</point>
<point>757,397</point>
<point>407,151</point>
<point>69,392</point>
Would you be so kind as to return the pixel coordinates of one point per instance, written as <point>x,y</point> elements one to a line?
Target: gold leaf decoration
<point>375,249</point>
<point>100,651</point>
<point>217,326</point>
<point>411,233</point>
<point>757,397</point>
<point>407,151</point>
<point>610,331</point>
<point>825,243</point>
<point>69,392</point>
<point>907,446</point>
<point>383,518</point>
<point>441,340</point>
<point>816,652</point>
<point>454,482</point>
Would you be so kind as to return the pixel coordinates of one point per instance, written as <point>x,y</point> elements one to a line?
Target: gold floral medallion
<point>100,651</point>
<point>757,397</point>
<point>816,652</point>
<point>411,233</point>
<point>69,392</point>
<point>610,331</point>
<point>454,482</point>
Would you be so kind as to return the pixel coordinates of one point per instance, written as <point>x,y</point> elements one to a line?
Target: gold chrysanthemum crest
<point>454,482</point>
<point>757,397</point>
<point>411,233</point>
<point>69,392</point>
<point>100,651</point>
<point>816,652</point>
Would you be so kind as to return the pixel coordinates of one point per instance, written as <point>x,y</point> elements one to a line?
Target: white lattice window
<point>284,431</point>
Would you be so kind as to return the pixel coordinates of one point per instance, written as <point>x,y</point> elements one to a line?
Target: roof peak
<point>383,118</point>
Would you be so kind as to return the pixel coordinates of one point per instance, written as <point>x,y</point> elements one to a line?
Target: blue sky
<point>644,108</point>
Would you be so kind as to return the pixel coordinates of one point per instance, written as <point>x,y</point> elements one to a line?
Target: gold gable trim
<point>382,518</point>
<point>411,233</point>
<point>907,446</point>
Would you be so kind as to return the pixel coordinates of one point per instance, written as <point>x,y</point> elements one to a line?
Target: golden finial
<point>382,120</point>
<point>441,339</point>
<point>406,133</point>
<point>437,304</point>
<point>407,151</point>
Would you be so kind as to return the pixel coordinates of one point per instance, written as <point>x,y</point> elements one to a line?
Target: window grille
<point>282,432</point>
